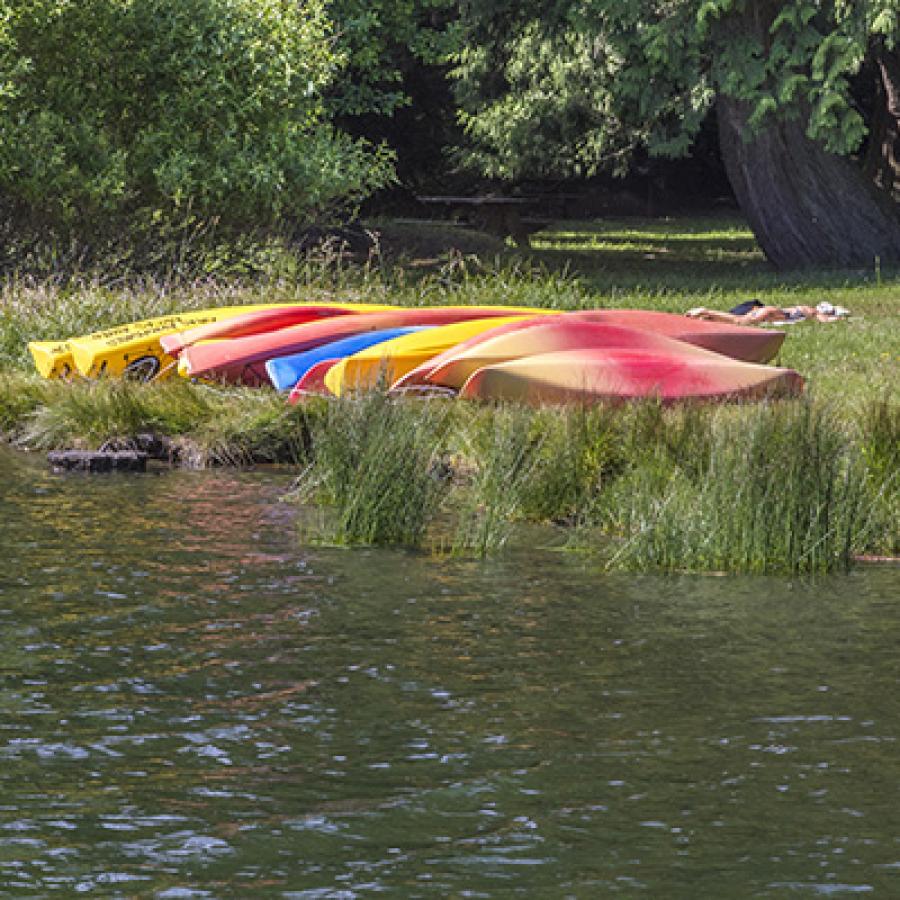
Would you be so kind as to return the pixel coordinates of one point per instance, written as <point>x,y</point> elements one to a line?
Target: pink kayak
<point>242,359</point>
<point>563,333</point>
<point>744,342</point>
<point>615,374</point>
<point>313,382</point>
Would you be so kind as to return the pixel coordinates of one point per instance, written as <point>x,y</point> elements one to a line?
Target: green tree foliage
<point>383,41</point>
<point>574,87</point>
<point>394,88</point>
<point>108,106</point>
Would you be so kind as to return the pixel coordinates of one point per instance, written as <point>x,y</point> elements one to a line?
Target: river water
<point>195,704</point>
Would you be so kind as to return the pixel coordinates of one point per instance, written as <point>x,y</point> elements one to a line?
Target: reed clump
<point>377,465</point>
<point>777,488</point>
<point>780,489</point>
<point>879,441</point>
<point>503,451</point>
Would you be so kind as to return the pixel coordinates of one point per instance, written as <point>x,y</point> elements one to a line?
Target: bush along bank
<point>791,487</point>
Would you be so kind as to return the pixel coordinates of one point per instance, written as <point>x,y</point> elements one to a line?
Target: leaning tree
<point>806,92</point>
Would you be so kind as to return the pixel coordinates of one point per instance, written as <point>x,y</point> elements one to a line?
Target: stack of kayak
<point>519,354</point>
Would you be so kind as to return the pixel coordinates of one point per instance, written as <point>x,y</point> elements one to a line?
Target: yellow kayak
<point>392,359</point>
<point>56,359</point>
<point>52,359</point>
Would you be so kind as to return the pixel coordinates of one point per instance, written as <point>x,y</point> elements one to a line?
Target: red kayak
<point>313,382</point>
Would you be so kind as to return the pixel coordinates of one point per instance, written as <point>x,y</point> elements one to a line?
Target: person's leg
<point>715,315</point>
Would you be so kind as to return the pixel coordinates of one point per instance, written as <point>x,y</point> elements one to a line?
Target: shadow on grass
<point>695,255</point>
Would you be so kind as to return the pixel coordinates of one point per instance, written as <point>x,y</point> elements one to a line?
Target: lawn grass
<point>675,264</point>
<point>800,486</point>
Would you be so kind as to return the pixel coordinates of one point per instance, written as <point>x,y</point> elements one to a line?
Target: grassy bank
<point>790,487</point>
<point>785,487</point>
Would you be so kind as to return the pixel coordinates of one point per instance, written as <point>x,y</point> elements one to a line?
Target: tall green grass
<point>791,487</point>
<point>781,489</point>
<point>502,453</point>
<point>377,464</point>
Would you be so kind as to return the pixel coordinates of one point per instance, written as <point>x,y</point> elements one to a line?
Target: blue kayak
<point>286,371</point>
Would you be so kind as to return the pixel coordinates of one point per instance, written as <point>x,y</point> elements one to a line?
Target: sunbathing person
<point>753,312</point>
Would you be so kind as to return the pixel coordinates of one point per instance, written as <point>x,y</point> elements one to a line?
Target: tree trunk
<point>882,163</point>
<point>807,207</point>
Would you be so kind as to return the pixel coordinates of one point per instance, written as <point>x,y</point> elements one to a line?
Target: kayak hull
<point>737,341</point>
<point>285,371</point>
<point>258,321</point>
<point>313,382</point>
<point>549,337</point>
<point>592,376</point>
<point>134,349</point>
<point>744,342</point>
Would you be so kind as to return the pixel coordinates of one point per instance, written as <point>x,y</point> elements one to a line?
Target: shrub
<point>194,107</point>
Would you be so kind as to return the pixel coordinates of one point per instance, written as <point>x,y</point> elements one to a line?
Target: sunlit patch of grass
<point>684,256</point>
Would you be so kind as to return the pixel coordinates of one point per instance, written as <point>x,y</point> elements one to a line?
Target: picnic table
<point>501,216</point>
